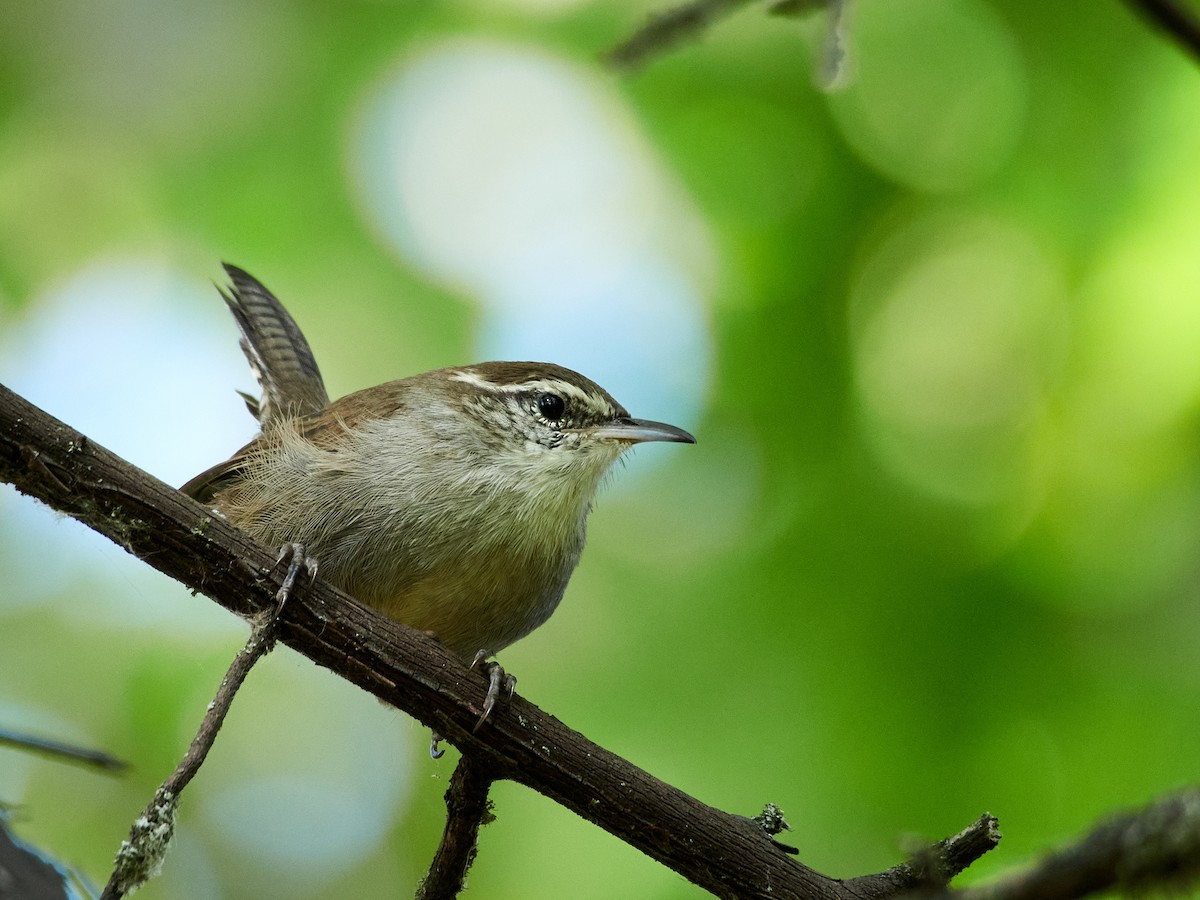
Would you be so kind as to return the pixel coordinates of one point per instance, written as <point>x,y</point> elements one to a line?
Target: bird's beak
<point>636,431</point>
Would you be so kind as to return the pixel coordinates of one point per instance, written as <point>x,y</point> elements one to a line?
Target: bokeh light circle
<point>520,179</point>
<point>958,330</point>
<point>937,101</point>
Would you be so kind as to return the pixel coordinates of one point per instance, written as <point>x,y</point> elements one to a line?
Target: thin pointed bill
<point>637,431</point>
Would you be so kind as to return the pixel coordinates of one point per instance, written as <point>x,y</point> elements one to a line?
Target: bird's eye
<point>551,406</point>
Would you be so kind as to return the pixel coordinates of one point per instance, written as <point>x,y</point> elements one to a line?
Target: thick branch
<point>726,854</point>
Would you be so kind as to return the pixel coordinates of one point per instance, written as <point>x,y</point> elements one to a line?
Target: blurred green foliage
<point>935,553</point>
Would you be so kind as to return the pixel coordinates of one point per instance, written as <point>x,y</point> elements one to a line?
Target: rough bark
<point>727,854</point>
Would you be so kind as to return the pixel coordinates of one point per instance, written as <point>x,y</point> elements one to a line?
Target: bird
<point>454,501</point>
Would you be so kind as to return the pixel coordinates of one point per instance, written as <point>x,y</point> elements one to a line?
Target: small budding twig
<point>1154,848</point>
<point>141,856</point>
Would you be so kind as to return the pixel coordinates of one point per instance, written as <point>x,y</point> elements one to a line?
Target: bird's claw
<point>297,559</point>
<point>498,680</point>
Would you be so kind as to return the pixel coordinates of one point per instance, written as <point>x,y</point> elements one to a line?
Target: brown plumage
<point>454,501</point>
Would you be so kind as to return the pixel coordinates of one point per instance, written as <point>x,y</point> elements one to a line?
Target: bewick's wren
<point>454,501</point>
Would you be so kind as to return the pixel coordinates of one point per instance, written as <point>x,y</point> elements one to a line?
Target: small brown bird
<point>454,501</point>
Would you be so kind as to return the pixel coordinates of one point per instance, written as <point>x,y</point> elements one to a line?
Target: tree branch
<point>64,752</point>
<point>727,854</point>
<point>467,808</point>
<point>937,865</point>
<point>1156,847</point>
<point>141,856</point>
<point>668,29</point>
<point>1173,19</point>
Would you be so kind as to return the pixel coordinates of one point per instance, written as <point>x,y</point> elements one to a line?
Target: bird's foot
<point>297,559</point>
<point>498,680</point>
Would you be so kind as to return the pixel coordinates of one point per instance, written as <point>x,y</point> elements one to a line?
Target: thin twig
<point>935,866</point>
<point>141,856</point>
<point>1156,847</point>
<point>667,29</point>
<point>1181,24</point>
<point>66,752</point>
<point>467,808</point>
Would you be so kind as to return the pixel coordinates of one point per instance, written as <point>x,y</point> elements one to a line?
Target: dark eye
<point>551,406</point>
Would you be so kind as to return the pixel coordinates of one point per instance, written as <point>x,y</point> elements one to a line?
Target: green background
<point>935,552</point>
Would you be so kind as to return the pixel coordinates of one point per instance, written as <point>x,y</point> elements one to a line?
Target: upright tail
<point>278,354</point>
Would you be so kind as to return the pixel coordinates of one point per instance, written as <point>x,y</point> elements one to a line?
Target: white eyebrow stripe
<point>561,387</point>
<point>472,378</point>
<point>554,385</point>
